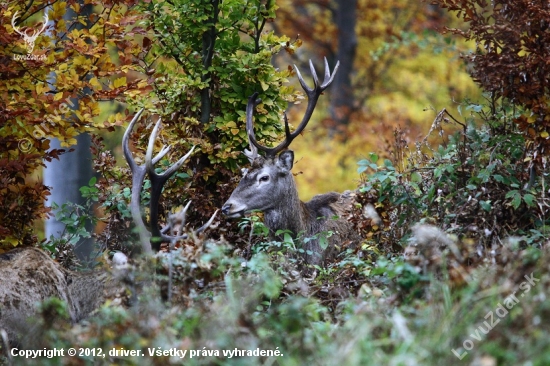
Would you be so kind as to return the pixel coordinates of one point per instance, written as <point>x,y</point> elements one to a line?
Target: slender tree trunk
<point>342,101</point>
<point>65,177</point>
<point>72,171</point>
<point>208,43</point>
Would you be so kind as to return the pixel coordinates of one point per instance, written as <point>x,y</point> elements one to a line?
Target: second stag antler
<point>152,240</point>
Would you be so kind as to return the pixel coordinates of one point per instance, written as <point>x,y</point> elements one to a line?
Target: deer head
<point>269,184</point>
<point>29,39</point>
<point>176,222</point>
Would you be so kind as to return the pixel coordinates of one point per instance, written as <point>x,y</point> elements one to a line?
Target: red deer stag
<point>269,186</point>
<point>29,276</point>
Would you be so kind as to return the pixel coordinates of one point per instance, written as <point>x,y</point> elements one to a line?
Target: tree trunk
<point>208,43</point>
<point>342,101</point>
<point>72,171</point>
<point>65,177</point>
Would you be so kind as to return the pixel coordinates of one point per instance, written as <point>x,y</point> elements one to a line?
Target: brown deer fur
<point>269,186</point>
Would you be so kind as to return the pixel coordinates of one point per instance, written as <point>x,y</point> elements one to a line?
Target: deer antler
<point>313,95</point>
<point>157,182</point>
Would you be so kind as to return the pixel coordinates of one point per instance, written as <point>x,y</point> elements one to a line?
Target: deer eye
<point>264,178</point>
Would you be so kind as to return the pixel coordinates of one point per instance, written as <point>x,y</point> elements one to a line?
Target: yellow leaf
<point>58,10</point>
<point>58,96</point>
<point>544,134</point>
<point>95,83</point>
<point>80,60</point>
<point>142,84</point>
<point>119,82</point>
<point>235,131</point>
<point>41,88</point>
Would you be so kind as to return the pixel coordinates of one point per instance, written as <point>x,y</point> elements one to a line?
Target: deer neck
<point>289,213</point>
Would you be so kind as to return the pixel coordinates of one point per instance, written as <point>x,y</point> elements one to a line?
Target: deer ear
<point>286,159</point>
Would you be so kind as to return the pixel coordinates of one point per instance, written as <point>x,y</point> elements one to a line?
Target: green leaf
<point>516,198</point>
<point>373,157</point>
<point>416,177</point>
<point>486,205</point>
<point>388,164</point>
<point>287,238</point>
<point>499,178</point>
<point>530,200</point>
<point>126,192</point>
<point>437,172</point>
<point>323,242</point>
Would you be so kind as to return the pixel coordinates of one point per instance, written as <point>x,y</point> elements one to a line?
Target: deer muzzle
<point>229,211</point>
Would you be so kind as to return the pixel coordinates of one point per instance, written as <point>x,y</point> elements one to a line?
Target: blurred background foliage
<point>402,72</point>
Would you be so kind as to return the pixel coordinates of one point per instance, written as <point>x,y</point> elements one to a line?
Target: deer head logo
<point>29,39</point>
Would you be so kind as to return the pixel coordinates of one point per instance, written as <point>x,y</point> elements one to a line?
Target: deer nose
<point>226,208</point>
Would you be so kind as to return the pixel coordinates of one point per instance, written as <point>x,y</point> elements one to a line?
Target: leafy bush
<point>479,182</point>
<point>510,58</point>
<point>55,91</point>
<point>205,60</point>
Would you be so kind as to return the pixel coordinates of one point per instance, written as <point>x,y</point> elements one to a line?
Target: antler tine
<point>208,223</point>
<point>183,216</point>
<point>317,89</point>
<point>252,154</point>
<point>313,74</point>
<point>313,95</point>
<point>180,216</point>
<point>173,219</point>
<point>328,76</point>
<point>126,141</point>
<point>150,147</point>
<point>138,175</point>
<point>149,161</point>
<point>161,154</point>
<point>179,163</point>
